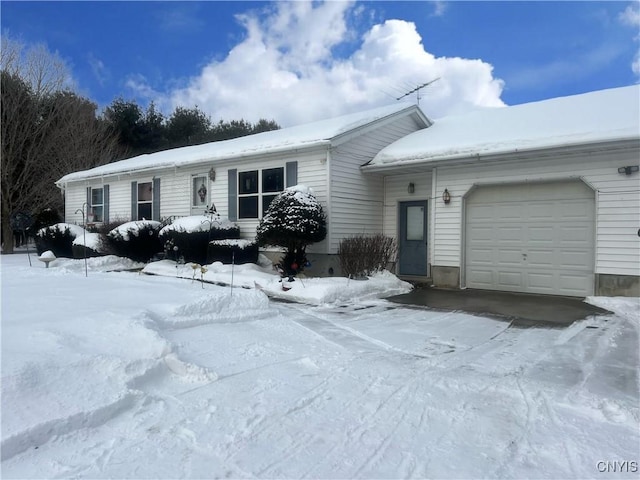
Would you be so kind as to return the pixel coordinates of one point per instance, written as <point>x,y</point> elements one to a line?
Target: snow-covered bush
<point>366,254</point>
<point>45,218</point>
<point>294,220</point>
<point>188,237</point>
<point>90,244</point>
<point>138,241</point>
<point>232,250</point>
<point>58,238</point>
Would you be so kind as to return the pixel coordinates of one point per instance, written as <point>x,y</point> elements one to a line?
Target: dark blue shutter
<point>105,210</point>
<point>134,200</point>
<point>233,195</point>
<point>155,208</point>
<point>292,174</point>
<point>88,199</point>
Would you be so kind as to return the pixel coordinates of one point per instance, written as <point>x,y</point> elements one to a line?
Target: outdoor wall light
<point>212,174</point>
<point>411,188</point>
<point>446,196</point>
<point>628,170</point>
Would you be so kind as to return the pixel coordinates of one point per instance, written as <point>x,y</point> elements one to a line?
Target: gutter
<point>515,154</point>
<point>195,163</point>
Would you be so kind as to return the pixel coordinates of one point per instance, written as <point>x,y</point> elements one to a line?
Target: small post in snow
<point>84,237</point>
<point>233,262</point>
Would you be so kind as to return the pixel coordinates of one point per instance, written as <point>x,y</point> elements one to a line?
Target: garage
<point>531,237</point>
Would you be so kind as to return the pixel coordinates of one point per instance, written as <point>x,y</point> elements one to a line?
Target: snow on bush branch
<point>294,220</point>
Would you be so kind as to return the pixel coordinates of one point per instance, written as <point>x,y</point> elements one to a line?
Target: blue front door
<point>412,238</point>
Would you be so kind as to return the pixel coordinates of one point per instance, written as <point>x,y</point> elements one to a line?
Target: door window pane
<point>199,189</point>
<point>415,223</point>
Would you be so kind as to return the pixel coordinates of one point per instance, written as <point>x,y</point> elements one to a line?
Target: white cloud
<point>99,70</point>
<point>631,17</point>
<point>284,69</point>
<point>439,7</point>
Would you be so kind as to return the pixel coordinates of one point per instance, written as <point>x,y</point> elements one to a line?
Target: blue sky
<point>300,61</point>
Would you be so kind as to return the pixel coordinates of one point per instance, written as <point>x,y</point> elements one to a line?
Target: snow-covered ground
<point>126,375</point>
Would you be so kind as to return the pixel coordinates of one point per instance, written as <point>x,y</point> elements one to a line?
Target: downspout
<point>432,220</point>
<point>329,217</point>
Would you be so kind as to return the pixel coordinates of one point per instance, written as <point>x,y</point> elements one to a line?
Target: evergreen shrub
<point>137,240</point>
<point>232,250</point>
<point>188,238</point>
<point>58,238</point>
<point>294,220</point>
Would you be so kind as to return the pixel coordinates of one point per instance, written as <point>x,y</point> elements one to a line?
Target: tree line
<point>145,131</point>
<point>48,130</point>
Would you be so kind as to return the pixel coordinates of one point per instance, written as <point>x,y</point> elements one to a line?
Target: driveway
<point>520,308</point>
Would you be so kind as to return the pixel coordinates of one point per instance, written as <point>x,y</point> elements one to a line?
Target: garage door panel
<point>482,256</point>
<point>541,281</point>
<point>574,260</point>
<point>540,234</point>
<point>541,258</point>
<point>508,279</point>
<point>575,283</point>
<point>536,238</point>
<point>506,257</point>
<point>481,213</point>
<point>576,234</point>
<point>509,234</point>
<point>481,234</point>
<point>509,211</point>
<point>483,278</point>
<point>541,212</point>
<point>578,210</point>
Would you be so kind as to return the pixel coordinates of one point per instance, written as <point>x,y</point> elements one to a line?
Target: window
<point>199,191</point>
<point>97,205</point>
<point>145,200</point>
<point>257,189</point>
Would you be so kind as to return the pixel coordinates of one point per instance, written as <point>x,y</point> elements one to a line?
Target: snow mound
<point>188,371</point>
<point>241,305</point>
<point>89,240</point>
<point>133,228</point>
<point>107,263</point>
<point>626,307</point>
<point>317,291</point>
<point>198,223</point>
<point>75,230</point>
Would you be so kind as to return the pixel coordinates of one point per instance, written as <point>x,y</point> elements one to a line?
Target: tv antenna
<point>417,90</point>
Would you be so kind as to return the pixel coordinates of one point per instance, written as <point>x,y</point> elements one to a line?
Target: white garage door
<point>534,238</point>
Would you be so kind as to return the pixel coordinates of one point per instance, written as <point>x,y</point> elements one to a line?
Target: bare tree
<point>45,133</point>
<point>45,72</point>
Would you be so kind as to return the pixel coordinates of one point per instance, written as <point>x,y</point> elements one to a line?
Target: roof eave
<point>512,154</point>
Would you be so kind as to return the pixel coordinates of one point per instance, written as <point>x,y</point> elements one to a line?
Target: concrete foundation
<point>617,285</point>
<point>322,264</point>
<point>445,277</point>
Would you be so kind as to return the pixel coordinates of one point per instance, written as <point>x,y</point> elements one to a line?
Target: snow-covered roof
<point>286,139</point>
<point>602,116</point>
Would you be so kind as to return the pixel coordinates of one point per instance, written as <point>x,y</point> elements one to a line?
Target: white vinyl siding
<point>357,200</point>
<point>617,203</point>
<point>396,191</point>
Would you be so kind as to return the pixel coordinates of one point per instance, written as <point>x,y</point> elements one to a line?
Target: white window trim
<point>94,205</point>
<point>260,194</point>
